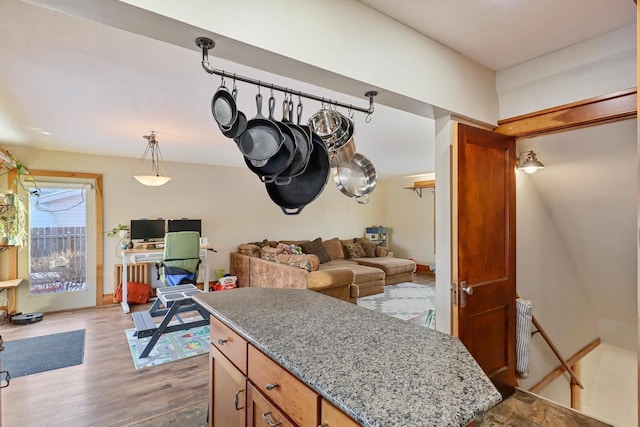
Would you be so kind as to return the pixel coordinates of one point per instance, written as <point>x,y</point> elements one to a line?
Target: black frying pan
<point>270,170</point>
<point>306,187</point>
<point>301,157</point>
<point>262,139</point>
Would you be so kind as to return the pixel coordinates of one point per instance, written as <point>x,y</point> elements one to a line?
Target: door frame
<point>99,238</point>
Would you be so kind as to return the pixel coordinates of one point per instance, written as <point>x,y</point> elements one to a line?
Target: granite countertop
<point>379,370</point>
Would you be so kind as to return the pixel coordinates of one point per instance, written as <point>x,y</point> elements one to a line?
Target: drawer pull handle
<point>221,341</point>
<point>236,400</point>
<point>267,419</point>
<point>271,386</point>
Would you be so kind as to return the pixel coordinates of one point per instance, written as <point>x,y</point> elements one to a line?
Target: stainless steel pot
<point>356,179</point>
<point>325,123</point>
<point>343,151</point>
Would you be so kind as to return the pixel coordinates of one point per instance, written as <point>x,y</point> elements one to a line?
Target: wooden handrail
<point>539,328</point>
<point>574,378</point>
<point>548,379</point>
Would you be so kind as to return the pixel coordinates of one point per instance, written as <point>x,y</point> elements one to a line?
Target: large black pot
<point>306,187</point>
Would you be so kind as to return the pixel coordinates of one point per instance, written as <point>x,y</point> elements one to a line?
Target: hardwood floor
<point>105,390</point>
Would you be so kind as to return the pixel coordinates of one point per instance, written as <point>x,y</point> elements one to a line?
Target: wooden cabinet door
<point>483,251</point>
<point>331,416</point>
<point>227,397</point>
<point>261,413</point>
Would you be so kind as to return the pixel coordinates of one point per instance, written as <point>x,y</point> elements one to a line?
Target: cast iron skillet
<point>305,187</point>
<point>262,138</point>
<point>302,142</point>
<point>223,108</point>
<point>268,171</point>
<point>239,125</point>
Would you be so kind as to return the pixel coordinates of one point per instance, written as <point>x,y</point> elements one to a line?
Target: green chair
<point>181,258</point>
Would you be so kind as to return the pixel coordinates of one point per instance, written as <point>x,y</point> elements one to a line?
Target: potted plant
<point>10,163</point>
<point>120,230</point>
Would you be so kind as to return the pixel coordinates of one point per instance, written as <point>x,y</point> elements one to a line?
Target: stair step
<point>144,323</point>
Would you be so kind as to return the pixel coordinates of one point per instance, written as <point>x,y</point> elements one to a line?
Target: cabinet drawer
<point>296,400</point>
<point>330,416</point>
<point>232,345</point>
<point>260,412</point>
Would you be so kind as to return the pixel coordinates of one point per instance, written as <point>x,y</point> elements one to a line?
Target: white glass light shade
<point>152,180</point>
<point>157,176</point>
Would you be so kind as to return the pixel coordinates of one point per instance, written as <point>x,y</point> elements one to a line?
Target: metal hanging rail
<point>206,43</point>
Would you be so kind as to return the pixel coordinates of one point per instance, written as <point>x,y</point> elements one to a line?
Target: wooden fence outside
<point>46,240</point>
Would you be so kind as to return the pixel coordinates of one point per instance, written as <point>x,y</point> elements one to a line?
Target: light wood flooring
<point>106,390</point>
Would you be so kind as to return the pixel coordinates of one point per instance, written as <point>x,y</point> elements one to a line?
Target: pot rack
<point>206,43</point>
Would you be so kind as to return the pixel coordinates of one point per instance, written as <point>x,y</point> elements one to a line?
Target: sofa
<point>345,269</point>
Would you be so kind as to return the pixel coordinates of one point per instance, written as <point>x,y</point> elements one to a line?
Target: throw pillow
<point>333,248</point>
<point>249,249</point>
<point>355,250</point>
<point>262,244</point>
<point>316,248</point>
<point>369,249</point>
<point>270,253</point>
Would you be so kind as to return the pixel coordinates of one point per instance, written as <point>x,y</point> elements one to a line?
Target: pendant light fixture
<point>158,176</point>
<point>530,164</point>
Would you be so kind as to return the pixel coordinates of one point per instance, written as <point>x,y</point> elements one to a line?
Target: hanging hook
<point>368,118</point>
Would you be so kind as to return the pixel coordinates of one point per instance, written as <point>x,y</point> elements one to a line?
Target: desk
<point>12,300</point>
<point>136,256</point>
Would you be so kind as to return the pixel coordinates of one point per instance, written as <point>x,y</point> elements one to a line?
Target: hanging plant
<point>13,222</point>
<point>10,163</point>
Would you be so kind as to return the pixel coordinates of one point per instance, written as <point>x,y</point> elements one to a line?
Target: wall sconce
<point>530,164</point>
<point>157,176</point>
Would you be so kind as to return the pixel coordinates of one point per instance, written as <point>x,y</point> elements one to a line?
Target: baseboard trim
<point>421,268</point>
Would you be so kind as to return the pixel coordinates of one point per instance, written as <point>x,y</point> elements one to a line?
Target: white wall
<point>412,219</point>
<point>232,203</point>
<point>608,394</point>
<point>602,65</point>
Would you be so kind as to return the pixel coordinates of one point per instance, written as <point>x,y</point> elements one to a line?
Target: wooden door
<point>227,398</point>
<point>483,246</point>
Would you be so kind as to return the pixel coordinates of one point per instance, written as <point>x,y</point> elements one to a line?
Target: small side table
<point>11,285</point>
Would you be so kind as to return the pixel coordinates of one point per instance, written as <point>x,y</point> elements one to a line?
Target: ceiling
<point>502,33</point>
<point>96,89</point>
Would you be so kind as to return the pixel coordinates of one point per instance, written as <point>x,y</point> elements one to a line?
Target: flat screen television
<point>147,229</point>
<point>184,225</point>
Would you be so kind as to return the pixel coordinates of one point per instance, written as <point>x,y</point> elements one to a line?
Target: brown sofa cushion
<point>316,248</point>
<point>391,266</point>
<point>355,250</point>
<point>333,248</point>
<point>270,253</point>
<point>307,262</point>
<point>369,248</point>
<point>249,249</point>
<point>382,251</point>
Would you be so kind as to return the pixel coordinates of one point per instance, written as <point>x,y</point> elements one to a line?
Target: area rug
<point>404,301</point>
<point>44,353</point>
<point>170,347</point>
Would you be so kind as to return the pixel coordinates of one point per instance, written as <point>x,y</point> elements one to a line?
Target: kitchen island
<point>378,370</point>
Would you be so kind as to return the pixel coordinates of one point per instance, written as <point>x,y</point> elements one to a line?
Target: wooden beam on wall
<point>612,107</point>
